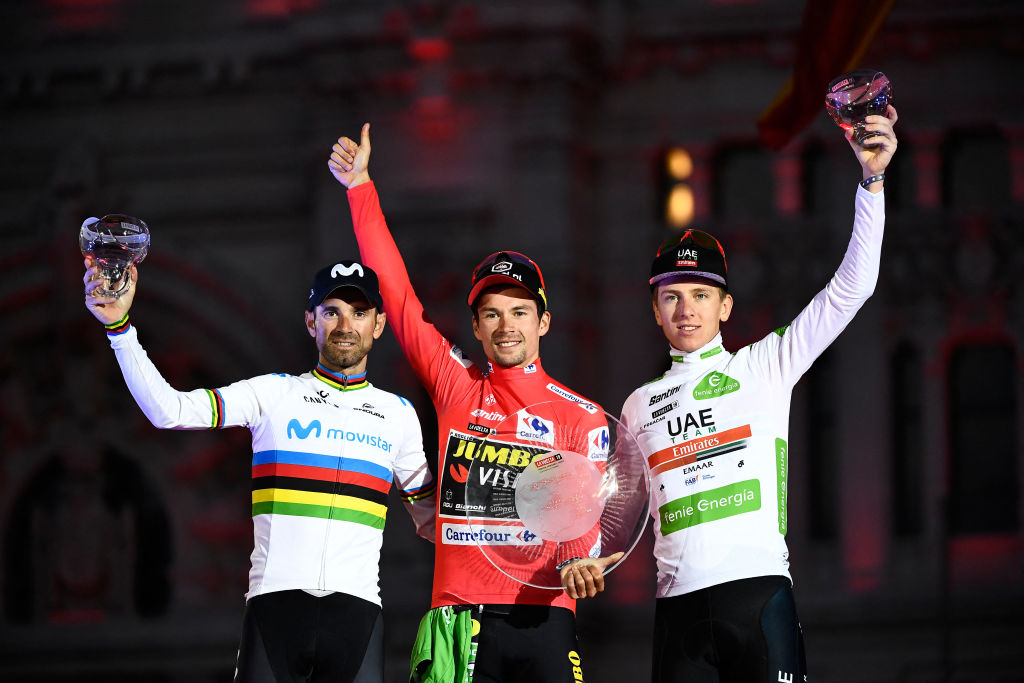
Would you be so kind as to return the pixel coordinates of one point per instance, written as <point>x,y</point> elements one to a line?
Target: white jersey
<point>715,430</point>
<point>325,450</point>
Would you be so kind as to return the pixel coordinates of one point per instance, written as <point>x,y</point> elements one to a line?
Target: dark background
<point>539,126</point>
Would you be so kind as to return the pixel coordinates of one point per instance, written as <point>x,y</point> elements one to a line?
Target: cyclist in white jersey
<point>715,430</point>
<point>326,447</point>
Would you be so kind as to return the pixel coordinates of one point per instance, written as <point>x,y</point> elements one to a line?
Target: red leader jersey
<point>476,411</point>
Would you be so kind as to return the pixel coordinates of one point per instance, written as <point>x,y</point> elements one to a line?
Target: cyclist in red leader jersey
<point>525,633</point>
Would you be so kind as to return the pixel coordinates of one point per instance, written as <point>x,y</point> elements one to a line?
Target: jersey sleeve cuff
<point>120,333</point>
<point>118,328</point>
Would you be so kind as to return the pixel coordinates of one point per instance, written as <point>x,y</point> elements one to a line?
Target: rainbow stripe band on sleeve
<point>216,408</point>
<point>118,328</point>
<point>418,494</point>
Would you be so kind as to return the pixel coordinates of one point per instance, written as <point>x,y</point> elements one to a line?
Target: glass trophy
<point>555,480</point>
<point>856,95</point>
<point>115,242</point>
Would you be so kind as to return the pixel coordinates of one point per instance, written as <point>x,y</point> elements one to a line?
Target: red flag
<point>833,39</point>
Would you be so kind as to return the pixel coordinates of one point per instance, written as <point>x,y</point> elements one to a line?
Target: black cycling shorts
<point>526,644</point>
<point>744,631</point>
<point>294,636</point>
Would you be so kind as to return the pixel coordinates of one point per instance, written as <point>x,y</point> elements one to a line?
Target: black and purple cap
<point>692,254</point>
<point>345,274</point>
<point>509,267</point>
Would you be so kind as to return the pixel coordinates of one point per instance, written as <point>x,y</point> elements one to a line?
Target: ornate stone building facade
<point>536,126</point>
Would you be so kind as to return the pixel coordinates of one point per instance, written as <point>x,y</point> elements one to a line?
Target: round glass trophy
<point>856,95</point>
<point>556,480</point>
<point>115,241</point>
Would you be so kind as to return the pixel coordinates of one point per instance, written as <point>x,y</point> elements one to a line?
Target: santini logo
<point>345,271</point>
<point>658,398</point>
<point>295,428</point>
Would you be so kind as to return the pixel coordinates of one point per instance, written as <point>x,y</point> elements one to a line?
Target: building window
<point>976,171</point>
<point>816,172</point>
<point>822,441</point>
<point>744,189</point>
<point>907,466</point>
<point>983,481</point>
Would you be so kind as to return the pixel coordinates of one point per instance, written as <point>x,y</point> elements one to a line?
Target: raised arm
<point>436,362</point>
<point>789,352</point>
<point>166,407</point>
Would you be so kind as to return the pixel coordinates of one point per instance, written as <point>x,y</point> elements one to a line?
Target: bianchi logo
<point>713,385</point>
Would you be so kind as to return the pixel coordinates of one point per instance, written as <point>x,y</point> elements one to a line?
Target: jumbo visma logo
<point>715,384</point>
<point>295,429</point>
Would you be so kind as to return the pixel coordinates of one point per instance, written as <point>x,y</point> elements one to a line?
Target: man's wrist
<point>871,180</point>
<point>360,179</point>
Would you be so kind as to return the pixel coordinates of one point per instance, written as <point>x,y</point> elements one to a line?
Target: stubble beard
<point>343,360</point>
<point>509,361</point>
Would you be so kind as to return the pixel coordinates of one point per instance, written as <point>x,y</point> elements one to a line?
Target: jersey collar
<point>703,355</point>
<point>339,381</point>
<point>500,374</point>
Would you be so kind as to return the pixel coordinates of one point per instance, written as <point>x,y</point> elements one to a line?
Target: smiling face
<point>508,327</point>
<point>344,327</point>
<point>690,313</point>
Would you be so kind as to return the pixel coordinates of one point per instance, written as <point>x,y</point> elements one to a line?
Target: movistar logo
<point>295,427</point>
<point>715,384</point>
<point>345,271</point>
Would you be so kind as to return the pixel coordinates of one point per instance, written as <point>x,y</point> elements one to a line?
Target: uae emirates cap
<point>692,254</point>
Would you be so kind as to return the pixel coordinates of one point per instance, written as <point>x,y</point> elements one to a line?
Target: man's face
<point>507,325</point>
<point>344,327</point>
<point>690,313</point>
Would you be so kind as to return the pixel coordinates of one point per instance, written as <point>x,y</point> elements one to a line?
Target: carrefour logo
<point>462,534</point>
<point>535,428</point>
<point>295,429</point>
<point>598,444</point>
<point>536,424</point>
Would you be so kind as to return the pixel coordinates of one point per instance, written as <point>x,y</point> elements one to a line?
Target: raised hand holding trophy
<point>856,95</point>
<point>115,242</point>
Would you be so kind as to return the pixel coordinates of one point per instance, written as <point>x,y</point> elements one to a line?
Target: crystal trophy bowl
<point>854,96</point>
<point>115,242</point>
